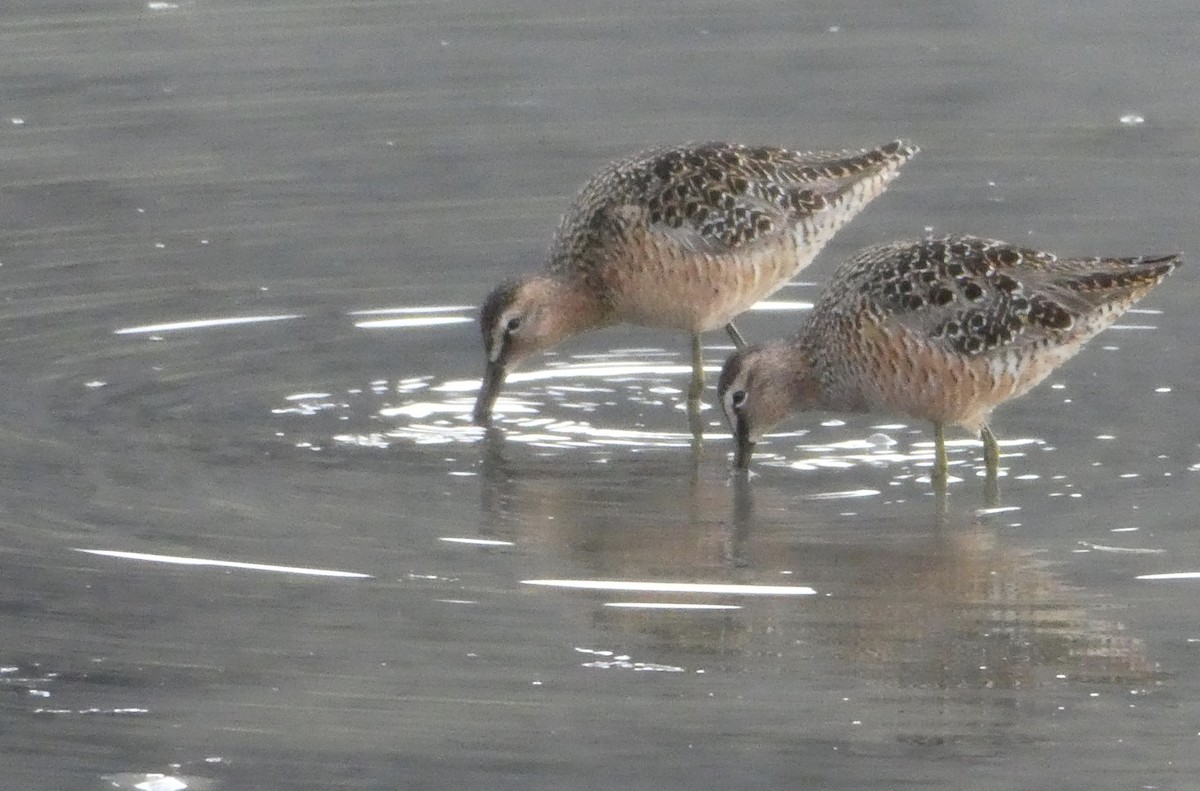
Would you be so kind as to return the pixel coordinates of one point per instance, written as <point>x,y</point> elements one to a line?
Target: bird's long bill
<point>489,390</point>
<point>745,448</point>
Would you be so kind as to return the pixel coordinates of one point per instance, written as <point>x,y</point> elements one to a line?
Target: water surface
<point>251,539</point>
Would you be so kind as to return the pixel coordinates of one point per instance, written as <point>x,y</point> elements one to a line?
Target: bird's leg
<point>736,336</point>
<point>991,452</point>
<point>991,461</point>
<point>695,421</point>
<point>697,387</point>
<point>940,463</point>
<point>940,475</point>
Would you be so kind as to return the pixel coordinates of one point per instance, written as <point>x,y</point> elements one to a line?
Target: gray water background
<point>208,159</point>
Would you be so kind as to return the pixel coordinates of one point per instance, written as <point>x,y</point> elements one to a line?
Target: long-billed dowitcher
<point>942,329</point>
<point>682,238</point>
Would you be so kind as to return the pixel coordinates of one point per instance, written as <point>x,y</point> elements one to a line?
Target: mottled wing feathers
<point>975,295</point>
<point>713,197</point>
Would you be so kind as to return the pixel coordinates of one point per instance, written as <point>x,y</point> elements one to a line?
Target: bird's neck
<point>574,308</point>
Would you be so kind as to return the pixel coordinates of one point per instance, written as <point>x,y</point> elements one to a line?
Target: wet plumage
<point>942,329</point>
<point>682,238</point>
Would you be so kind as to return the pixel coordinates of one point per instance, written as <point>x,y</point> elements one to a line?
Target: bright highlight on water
<point>230,564</point>
<point>677,587</point>
<point>175,326</point>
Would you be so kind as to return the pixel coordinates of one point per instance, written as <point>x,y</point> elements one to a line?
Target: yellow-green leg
<point>695,390</point>
<point>941,464</point>
<point>991,452</point>
<point>697,387</point>
<point>735,336</point>
<point>991,462</point>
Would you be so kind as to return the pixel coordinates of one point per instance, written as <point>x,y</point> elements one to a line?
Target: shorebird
<point>943,330</point>
<point>681,238</point>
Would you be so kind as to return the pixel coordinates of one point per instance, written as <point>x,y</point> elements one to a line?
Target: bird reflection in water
<point>935,604</point>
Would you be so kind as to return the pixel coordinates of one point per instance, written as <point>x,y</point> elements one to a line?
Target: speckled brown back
<point>712,197</point>
<point>975,295</point>
<point>948,328</point>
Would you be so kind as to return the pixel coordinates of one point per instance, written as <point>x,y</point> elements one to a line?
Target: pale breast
<point>653,281</point>
<point>902,372</point>
<point>891,370</point>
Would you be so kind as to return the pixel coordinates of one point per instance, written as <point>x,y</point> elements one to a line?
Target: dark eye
<point>513,324</point>
<point>737,398</point>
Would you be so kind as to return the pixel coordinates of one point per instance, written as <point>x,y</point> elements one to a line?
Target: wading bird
<point>944,330</point>
<point>681,238</point>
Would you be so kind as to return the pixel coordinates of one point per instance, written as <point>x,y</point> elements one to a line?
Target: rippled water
<point>251,538</point>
